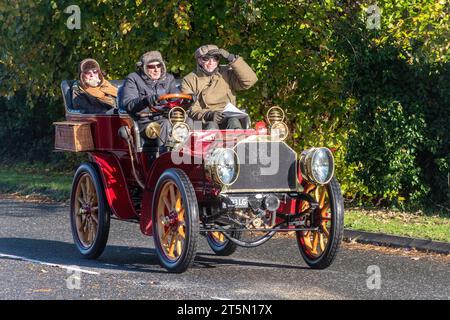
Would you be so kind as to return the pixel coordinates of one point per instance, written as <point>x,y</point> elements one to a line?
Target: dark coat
<point>137,86</point>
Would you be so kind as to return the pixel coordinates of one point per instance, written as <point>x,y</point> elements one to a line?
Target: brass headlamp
<point>278,128</point>
<point>317,165</point>
<point>180,129</point>
<point>222,166</point>
<point>177,115</point>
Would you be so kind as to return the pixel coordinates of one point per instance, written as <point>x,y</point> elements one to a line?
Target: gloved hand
<point>230,57</point>
<point>151,100</point>
<point>215,116</point>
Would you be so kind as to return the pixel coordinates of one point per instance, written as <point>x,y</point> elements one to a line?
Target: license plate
<point>240,202</point>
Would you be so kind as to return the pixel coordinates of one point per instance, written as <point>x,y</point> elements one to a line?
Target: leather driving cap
<point>206,49</point>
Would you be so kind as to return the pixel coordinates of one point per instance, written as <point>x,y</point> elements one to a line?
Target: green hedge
<point>379,97</point>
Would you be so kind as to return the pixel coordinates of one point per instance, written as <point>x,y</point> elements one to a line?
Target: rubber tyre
<point>94,250</point>
<point>191,219</point>
<point>226,248</point>
<point>336,231</point>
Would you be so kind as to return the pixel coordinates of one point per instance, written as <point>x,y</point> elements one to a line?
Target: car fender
<point>114,183</point>
<point>193,169</point>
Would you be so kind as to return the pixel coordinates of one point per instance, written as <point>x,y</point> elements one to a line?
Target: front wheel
<point>220,244</point>
<point>319,248</point>
<point>89,212</point>
<point>175,217</point>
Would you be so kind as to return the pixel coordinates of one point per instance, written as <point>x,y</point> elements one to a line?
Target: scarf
<point>105,92</point>
<point>207,73</point>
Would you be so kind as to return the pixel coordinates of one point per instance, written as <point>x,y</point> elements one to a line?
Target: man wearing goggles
<point>140,92</point>
<point>215,86</point>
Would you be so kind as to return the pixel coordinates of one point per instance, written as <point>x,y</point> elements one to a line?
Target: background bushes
<point>380,97</point>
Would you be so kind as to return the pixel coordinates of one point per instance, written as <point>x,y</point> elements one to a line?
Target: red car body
<point>312,209</point>
<point>114,163</point>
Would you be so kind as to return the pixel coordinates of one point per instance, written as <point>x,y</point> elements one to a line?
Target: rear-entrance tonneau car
<point>235,187</point>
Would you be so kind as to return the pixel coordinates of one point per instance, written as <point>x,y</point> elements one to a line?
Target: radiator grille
<point>265,166</point>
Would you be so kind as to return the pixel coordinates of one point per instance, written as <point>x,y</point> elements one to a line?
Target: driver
<point>215,86</point>
<point>140,92</point>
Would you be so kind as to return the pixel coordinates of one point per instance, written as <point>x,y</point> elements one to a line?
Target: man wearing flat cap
<point>92,93</point>
<point>215,86</point>
<point>140,92</point>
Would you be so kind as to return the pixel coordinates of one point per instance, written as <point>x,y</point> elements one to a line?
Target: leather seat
<point>66,88</point>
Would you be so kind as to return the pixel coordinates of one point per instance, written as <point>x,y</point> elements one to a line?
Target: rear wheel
<point>319,248</point>
<point>175,221</point>
<point>89,212</point>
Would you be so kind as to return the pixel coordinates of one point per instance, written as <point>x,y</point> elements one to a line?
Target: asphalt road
<point>39,261</point>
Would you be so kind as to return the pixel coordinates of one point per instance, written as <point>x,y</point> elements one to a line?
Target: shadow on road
<point>114,257</point>
<point>203,261</point>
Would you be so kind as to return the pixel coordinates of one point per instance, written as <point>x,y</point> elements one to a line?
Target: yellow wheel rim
<point>315,242</point>
<point>86,210</point>
<point>218,237</point>
<point>171,221</point>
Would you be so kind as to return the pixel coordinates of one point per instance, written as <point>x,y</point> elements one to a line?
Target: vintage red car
<point>235,187</point>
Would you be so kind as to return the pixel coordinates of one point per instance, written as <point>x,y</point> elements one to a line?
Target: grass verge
<point>36,181</point>
<point>415,225</point>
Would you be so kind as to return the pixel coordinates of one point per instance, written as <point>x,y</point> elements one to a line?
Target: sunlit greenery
<point>39,181</point>
<point>379,97</point>
<point>411,225</point>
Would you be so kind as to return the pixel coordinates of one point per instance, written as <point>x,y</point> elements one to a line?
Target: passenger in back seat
<point>92,93</point>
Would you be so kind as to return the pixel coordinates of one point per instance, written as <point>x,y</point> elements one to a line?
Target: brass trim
<point>211,168</point>
<point>176,125</point>
<point>275,116</point>
<point>174,118</point>
<point>284,125</point>
<point>153,130</point>
<point>306,158</point>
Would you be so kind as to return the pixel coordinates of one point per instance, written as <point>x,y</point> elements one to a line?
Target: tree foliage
<point>368,94</point>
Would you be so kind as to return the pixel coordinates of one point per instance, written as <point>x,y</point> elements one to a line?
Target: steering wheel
<point>166,102</point>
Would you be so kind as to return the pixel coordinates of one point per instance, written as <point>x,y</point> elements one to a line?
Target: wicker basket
<point>73,136</point>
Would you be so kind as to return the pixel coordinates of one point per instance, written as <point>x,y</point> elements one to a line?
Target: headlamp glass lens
<point>226,166</point>
<point>180,132</point>
<point>321,165</point>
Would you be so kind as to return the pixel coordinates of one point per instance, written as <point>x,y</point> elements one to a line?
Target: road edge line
<point>62,266</point>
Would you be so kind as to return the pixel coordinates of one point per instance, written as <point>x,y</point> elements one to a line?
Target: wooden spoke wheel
<point>89,212</point>
<point>320,247</point>
<point>220,244</point>
<point>175,221</point>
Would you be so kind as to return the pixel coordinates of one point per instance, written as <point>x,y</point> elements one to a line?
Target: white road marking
<point>71,268</point>
<point>219,298</point>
